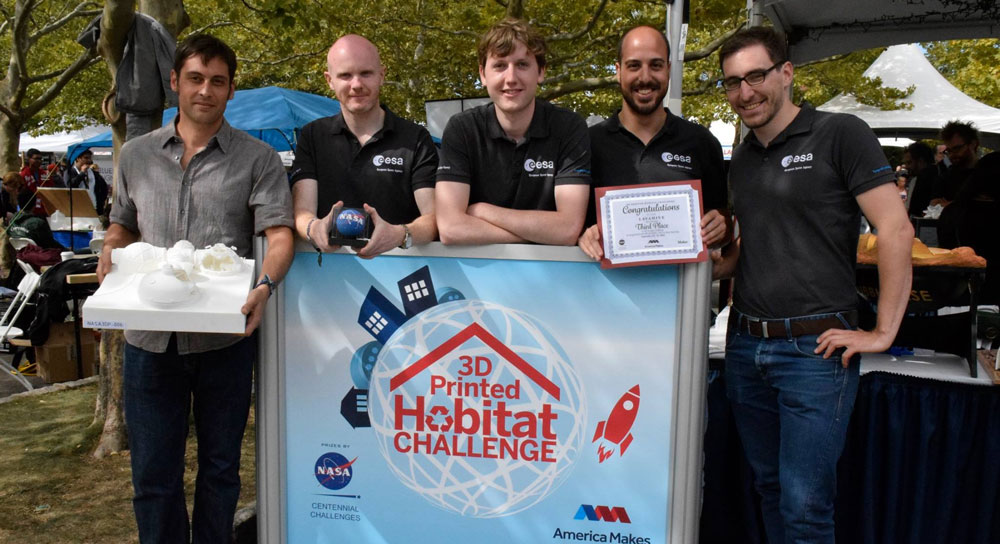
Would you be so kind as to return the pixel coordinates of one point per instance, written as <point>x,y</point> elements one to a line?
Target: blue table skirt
<point>921,465</point>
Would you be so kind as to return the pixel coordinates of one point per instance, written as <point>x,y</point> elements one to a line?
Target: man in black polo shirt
<point>645,143</point>
<point>516,170</point>
<point>800,182</point>
<point>365,156</point>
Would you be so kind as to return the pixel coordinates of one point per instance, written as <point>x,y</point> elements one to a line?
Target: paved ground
<point>8,384</point>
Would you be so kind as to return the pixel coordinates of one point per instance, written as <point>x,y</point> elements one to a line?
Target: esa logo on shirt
<point>674,158</point>
<point>380,160</point>
<point>531,165</point>
<point>789,160</point>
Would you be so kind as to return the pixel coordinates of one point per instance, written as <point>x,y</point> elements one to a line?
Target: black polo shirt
<point>556,151</point>
<point>799,220</point>
<point>680,151</point>
<point>399,159</point>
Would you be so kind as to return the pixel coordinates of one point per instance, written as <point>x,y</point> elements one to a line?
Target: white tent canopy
<point>935,101</point>
<point>58,142</point>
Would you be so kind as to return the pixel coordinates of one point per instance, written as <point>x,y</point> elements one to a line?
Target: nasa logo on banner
<point>333,470</point>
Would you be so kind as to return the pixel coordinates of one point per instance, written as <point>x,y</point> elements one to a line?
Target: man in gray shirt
<point>200,180</point>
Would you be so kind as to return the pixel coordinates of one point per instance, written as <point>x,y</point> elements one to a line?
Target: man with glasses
<point>799,182</point>
<point>644,142</point>
<point>961,146</point>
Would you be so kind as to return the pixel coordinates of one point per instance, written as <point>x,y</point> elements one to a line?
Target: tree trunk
<point>10,138</point>
<point>109,413</point>
<point>117,20</point>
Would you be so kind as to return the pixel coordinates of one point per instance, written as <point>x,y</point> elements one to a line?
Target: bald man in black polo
<point>645,143</point>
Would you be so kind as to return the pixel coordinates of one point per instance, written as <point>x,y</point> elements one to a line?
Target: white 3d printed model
<point>175,289</point>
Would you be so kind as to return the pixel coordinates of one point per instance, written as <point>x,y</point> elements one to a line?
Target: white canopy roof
<point>819,29</point>
<point>59,141</point>
<point>935,101</point>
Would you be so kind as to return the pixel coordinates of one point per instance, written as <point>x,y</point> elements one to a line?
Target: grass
<point>53,491</point>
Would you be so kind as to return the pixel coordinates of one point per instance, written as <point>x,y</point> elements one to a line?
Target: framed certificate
<point>655,223</point>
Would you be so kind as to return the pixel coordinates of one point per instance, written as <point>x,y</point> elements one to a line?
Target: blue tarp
<point>271,114</point>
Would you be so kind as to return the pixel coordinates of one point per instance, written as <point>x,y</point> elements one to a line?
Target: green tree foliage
<point>971,65</point>
<point>429,46</point>
<point>37,39</point>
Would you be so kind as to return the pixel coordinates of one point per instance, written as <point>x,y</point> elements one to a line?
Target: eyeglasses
<point>753,78</point>
<point>954,149</point>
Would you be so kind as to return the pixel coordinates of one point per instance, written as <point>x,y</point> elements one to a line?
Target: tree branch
<point>210,26</point>
<point>79,11</point>
<point>705,87</point>
<point>56,73</point>
<point>19,45</point>
<point>432,27</point>
<point>281,60</point>
<point>711,47</point>
<point>255,10</point>
<point>820,61</point>
<point>592,45</point>
<point>586,84</point>
<point>10,115</point>
<point>82,62</point>
<point>569,36</point>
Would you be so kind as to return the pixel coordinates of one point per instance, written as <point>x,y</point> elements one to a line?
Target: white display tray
<point>116,305</point>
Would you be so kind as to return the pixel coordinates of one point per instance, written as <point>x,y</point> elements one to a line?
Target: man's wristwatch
<point>266,280</point>
<point>407,238</point>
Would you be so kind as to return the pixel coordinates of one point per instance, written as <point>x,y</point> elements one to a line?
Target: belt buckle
<point>763,325</point>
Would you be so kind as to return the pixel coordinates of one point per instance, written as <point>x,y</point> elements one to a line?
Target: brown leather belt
<point>776,328</point>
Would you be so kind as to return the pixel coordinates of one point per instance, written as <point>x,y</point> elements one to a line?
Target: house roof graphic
<point>475,330</point>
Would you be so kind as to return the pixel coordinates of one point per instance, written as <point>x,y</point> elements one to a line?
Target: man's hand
<point>853,341</point>
<point>103,264</point>
<point>713,228</point>
<point>319,233</point>
<point>724,261</point>
<point>254,307</point>
<point>385,236</point>
<point>591,244</point>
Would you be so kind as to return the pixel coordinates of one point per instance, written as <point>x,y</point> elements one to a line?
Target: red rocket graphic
<point>615,429</point>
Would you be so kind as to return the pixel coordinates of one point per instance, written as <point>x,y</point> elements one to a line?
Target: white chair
<point>26,288</point>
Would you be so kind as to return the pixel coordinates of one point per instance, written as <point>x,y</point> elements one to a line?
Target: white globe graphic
<point>478,486</point>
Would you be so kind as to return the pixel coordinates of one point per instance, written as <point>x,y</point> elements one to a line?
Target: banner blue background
<point>616,327</point>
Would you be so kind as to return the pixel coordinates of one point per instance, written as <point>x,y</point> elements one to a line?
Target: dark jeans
<point>158,390</point>
<point>791,409</point>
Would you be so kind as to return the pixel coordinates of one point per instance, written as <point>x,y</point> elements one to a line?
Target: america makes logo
<point>602,513</point>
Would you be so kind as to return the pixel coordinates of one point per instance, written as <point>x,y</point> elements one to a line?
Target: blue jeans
<point>791,408</point>
<point>158,392</point>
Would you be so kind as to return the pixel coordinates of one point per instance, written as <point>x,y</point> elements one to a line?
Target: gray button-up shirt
<point>234,188</point>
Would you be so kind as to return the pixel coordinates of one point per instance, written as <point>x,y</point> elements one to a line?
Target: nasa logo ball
<point>350,222</point>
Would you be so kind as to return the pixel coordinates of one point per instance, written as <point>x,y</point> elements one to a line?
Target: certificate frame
<point>694,184</point>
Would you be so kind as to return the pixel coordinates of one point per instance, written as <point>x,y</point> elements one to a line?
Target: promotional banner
<point>477,400</point>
